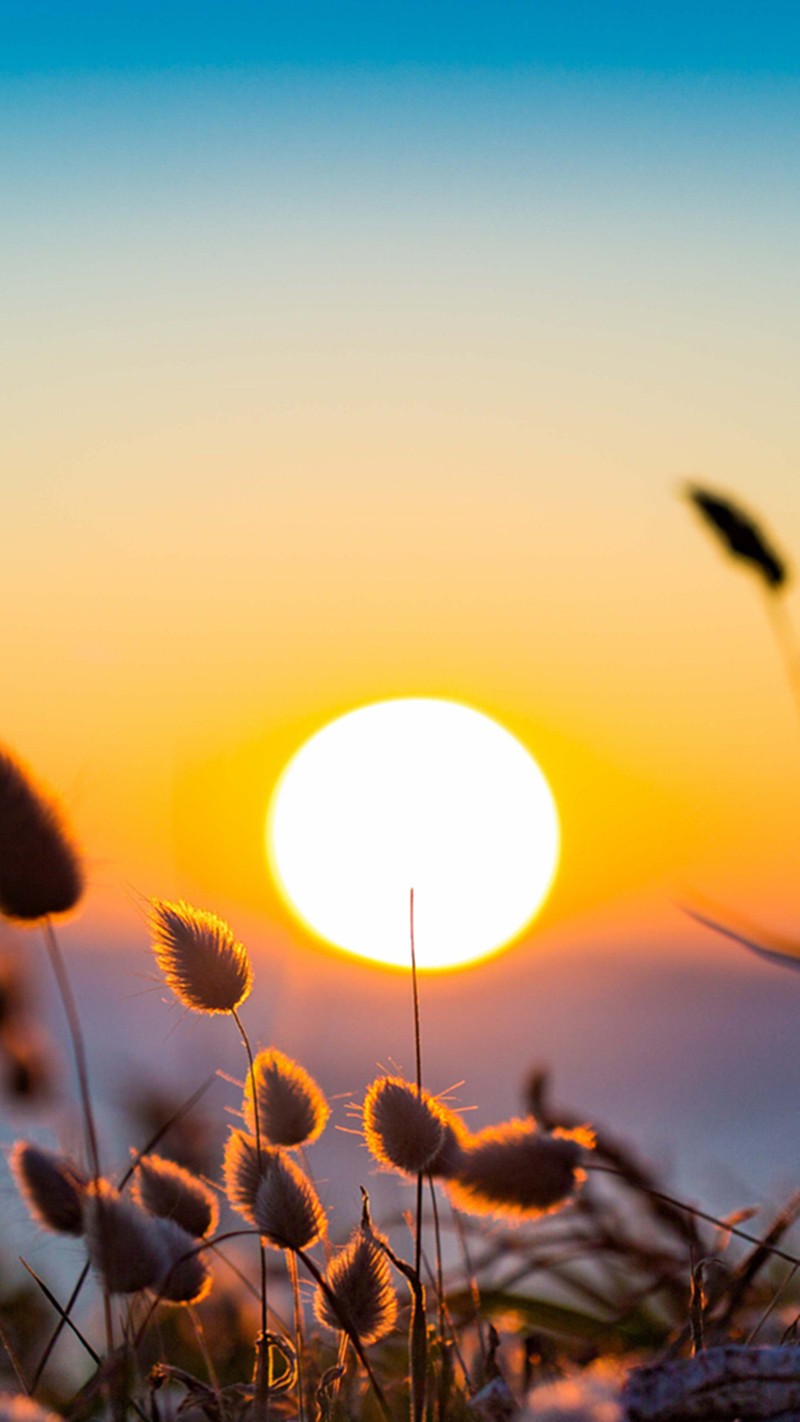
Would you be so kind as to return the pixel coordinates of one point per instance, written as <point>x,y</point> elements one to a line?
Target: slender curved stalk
<point>786,637</point>
<point>264,1371</point>
<point>291,1264</point>
<point>82,1071</point>
<point>205,1353</point>
<point>698,1214</point>
<point>16,1366</point>
<point>76,1036</point>
<point>441,1397</point>
<point>418,1066</point>
<point>51,1299</point>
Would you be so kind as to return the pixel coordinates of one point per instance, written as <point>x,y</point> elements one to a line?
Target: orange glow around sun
<point>414,793</point>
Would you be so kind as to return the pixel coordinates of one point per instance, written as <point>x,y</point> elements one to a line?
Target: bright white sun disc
<point>414,793</point>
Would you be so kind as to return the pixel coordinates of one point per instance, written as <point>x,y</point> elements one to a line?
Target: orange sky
<point>286,438</point>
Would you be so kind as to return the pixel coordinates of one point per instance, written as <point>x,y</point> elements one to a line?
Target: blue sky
<point>718,36</point>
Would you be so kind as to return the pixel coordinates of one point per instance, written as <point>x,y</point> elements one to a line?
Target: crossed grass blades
<point>551,1274</point>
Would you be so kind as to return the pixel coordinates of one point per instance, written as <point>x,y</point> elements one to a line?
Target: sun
<point>415,793</point>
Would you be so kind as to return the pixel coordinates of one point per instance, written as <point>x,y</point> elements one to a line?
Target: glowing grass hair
<point>166,1189</point>
<point>292,1110</point>
<point>360,1292</point>
<point>519,1171</point>
<point>52,1188</point>
<point>202,962</point>
<point>404,1127</point>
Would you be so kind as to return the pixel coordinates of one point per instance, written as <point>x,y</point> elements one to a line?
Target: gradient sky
<point>355,351</point>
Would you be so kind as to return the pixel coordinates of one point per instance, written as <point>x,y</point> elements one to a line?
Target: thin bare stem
<point>291,1264</point>
<point>76,1036</point>
<point>441,1397</point>
<point>472,1281</point>
<point>206,1355</point>
<point>264,1371</point>
<point>786,638</point>
<point>79,1052</point>
<point>60,1326</point>
<point>698,1214</point>
<point>11,1353</point>
<point>418,1065</point>
<point>772,1305</point>
<point>414,987</point>
<point>51,1299</point>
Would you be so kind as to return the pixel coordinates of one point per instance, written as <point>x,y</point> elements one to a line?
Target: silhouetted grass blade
<point>740,535</point>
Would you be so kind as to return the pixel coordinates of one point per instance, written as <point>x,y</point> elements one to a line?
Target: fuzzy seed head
<point>40,869</point>
<point>518,1170</point>
<point>402,1129</point>
<point>207,969</point>
<point>242,1173</point>
<point>16,1407</point>
<point>187,1278</point>
<point>52,1188</point>
<point>455,1141</point>
<point>125,1244</point>
<point>360,1281</point>
<point>292,1110</point>
<point>166,1189</point>
<point>287,1211</point>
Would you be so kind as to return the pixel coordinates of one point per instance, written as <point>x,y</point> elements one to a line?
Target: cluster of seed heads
<point>514,1169</point>
<point>148,1242</point>
<point>155,1236</point>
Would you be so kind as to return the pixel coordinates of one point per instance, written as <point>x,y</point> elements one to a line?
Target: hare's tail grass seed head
<point>166,1189</point>
<point>455,1141</point>
<point>287,1211</point>
<point>187,1278</point>
<point>291,1108</point>
<point>403,1128</point>
<point>40,868</point>
<point>518,1170</point>
<point>52,1188</point>
<point>202,962</point>
<point>242,1171</point>
<point>125,1245</point>
<point>741,536</point>
<point>360,1281</point>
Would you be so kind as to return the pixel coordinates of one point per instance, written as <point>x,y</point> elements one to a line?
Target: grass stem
<point>264,1378</point>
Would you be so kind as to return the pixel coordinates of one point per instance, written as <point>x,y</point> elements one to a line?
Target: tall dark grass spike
<point>40,869</point>
<point>741,536</point>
